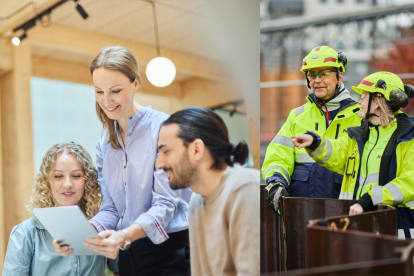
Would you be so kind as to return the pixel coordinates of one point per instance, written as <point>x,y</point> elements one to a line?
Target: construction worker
<point>329,111</point>
<point>377,157</point>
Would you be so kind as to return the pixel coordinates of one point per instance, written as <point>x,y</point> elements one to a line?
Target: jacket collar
<point>342,100</point>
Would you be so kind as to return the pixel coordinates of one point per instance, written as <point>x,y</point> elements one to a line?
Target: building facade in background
<point>374,35</point>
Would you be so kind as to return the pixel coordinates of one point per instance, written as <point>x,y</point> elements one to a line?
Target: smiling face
<point>324,85</point>
<point>67,180</point>
<point>114,93</point>
<point>174,158</point>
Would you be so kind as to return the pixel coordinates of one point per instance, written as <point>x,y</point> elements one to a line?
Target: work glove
<point>275,191</point>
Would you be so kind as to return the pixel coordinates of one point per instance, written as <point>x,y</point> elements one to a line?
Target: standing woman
<point>376,159</point>
<point>140,215</point>
<point>67,176</point>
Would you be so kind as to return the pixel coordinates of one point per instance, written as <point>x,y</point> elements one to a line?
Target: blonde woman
<point>376,158</point>
<point>67,176</point>
<point>140,214</point>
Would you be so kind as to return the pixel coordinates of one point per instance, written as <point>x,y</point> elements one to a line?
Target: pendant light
<point>160,70</point>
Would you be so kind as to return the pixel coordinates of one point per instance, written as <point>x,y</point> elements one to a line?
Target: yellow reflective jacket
<point>364,166</point>
<point>293,167</point>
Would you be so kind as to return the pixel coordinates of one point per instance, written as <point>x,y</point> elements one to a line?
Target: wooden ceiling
<point>183,25</point>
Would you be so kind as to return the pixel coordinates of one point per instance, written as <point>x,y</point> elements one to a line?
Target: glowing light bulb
<point>160,71</point>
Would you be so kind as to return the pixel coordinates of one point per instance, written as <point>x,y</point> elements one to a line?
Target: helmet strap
<point>365,121</point>
<point>369,114</point>
<point>365,128</point>
<point>307,80</point>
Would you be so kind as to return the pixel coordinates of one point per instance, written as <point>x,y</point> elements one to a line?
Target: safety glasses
<point>324,74</point>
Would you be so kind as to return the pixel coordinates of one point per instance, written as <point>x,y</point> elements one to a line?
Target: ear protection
<point>342,59</point>
<point>398,99</point>
<point>409,90</point>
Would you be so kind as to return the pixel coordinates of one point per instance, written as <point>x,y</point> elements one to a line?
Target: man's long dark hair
<point>205,124</point>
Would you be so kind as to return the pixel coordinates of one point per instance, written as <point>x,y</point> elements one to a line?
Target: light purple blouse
<point>133,191</point>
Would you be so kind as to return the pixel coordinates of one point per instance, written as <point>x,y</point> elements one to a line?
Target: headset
<point>398,99</point>
<point>342,59</point>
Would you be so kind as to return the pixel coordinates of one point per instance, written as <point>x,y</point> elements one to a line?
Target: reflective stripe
<point>345,195</point>
<point>319,149</point>
<point>395,192</point>
<point>376,195</point>
<point>303,158</point>
<point>410,204</point>
<point>401,235</point>
<point>277,167</point>
<point>299,110</point>
<point>374,177</point>
<point>283,140</point>
<point>412,232</point>
<point>328,152</point>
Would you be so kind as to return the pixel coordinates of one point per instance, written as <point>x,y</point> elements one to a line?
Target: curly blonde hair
<point>41,192</point>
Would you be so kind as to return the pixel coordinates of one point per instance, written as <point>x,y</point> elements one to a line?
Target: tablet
<point>68,224</point>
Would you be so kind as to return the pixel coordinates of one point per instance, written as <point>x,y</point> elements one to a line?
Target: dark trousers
<point>171,257</point>
<point>405,218</point>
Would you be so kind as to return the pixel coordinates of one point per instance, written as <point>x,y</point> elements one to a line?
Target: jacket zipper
<point>366,164</point>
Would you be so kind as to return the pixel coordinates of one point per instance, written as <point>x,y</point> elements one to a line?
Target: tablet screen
<point>69,225</point>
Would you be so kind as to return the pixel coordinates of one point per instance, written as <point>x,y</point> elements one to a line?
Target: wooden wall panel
<point>17,149</point>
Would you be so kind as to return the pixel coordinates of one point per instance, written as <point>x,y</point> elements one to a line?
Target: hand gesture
<point>62,249</point>
<point>302,140</point>
<point>108,244</point>
<point>355,209</point>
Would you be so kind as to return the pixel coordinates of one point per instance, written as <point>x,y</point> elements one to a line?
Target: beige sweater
<point>224,227</point>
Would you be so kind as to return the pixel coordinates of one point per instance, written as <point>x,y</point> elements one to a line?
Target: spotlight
<point>81,11</point>
<point>17,39</point>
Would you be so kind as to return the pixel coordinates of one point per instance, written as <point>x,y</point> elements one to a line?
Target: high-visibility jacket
<point>293,167</point>
<point>382,166</point>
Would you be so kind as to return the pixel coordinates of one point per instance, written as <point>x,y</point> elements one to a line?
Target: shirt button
<point>75,265</point>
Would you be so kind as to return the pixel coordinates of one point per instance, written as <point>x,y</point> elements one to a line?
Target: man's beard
<point>184,175</point>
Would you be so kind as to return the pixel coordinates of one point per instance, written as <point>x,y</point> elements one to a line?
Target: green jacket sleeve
<point>331,154</point>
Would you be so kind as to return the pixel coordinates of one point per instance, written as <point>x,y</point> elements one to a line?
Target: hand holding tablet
<point>69,225</point>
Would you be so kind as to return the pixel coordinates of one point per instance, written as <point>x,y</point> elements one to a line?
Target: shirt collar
<point>134,119</point>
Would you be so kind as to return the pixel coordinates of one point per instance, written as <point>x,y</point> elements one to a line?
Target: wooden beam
<point>3,237</point>
<point>17,149</point>
<point>65,70</point>
<point>75,43</point>
<point>6,55</point>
